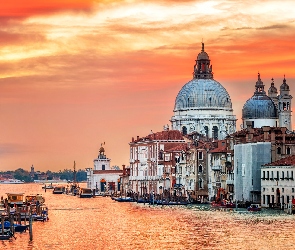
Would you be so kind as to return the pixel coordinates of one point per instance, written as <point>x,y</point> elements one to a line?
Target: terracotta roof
<point>219,150</point>
<point>163,135</point>
<point>287,161</point>
<point>179,147</point>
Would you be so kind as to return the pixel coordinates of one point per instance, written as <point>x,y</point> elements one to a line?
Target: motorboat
<point>34,199</point>
<point>85,193</point>
<point>16,199</point>
<point>254,208</point>
<point>58,190</point>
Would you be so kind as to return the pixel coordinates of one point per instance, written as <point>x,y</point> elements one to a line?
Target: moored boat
<point>34,199</point>
<point>16,199</point>
<point>254,208</point>
<point>58,190</point>
<point>85,193</point>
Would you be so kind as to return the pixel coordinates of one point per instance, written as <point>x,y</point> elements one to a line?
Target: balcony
<point>216,168</point>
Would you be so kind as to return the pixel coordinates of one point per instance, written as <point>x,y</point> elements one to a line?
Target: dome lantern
<point>202,68</point>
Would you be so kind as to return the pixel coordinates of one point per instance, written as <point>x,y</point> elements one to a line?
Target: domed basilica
<point>273,110</point>
<point>203,104</point>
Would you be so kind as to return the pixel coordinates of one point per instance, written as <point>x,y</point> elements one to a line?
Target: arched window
<point>184,130</point>
<point>279,151</point>
<point>288,151</point>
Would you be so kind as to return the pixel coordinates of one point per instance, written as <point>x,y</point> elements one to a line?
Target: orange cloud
<point>24,9</point>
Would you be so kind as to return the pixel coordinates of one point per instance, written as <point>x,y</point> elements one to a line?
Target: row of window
<point>270,175</point>
<point>278,190</point>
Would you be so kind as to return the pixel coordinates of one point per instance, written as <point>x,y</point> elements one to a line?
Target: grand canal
<point>101,223</point>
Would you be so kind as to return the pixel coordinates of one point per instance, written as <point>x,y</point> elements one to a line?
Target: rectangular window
<point>292,190</point>
<point>263,175</point>
<point>278,176</point>
<point>283,190</point>
<point>200,156</point>
<point>103,167</point>
<point>243,170</point>
<point>167,157</point>
<point>272,189</point>
<point>267,175</point>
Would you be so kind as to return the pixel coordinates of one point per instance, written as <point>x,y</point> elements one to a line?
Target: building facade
<point>278,183</point>
<point>102,177</point>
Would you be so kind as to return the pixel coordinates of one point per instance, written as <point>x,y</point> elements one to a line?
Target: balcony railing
<point>216,168</point>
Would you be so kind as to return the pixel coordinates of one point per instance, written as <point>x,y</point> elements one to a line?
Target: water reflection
<point>101,223</point>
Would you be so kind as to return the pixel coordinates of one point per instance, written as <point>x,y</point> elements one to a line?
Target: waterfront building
<point>268,110</point>
<point>221,175</point>
<point>248,159</point>
<point>153,164</point>
<point>203,104</point>
<point>102,177</point>
<point>277,183</point>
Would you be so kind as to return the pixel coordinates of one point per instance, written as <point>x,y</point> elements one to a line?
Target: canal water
<point>101,223</point>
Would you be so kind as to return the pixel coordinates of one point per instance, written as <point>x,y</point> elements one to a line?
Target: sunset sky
<point>78,73</point>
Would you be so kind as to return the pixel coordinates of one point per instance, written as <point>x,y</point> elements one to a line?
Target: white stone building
<point>203,104</point>
<point>277,183</point>
<point>102,177</point>
<point>152,165</point>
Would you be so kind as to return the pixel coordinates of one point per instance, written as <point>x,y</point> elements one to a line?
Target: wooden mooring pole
<point>31,225</point>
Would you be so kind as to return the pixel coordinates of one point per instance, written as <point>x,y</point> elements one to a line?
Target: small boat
<point>40,213</point>
<point>254,208</point>
<point>11,181</point>
<point>86,193</point>
<point>58,190</point>
<point>17,227</point>
<point>6,234</point>
<point>124,199</point>
<point>34,199</point>
<point>49,186</point>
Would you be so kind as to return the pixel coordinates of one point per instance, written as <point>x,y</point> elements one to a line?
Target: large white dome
<point>203,104</point>
<point>202,94</point>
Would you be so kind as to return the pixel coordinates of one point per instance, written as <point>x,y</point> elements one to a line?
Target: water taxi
<point>15,199</point>
<point>86,193</point>
<point>34,199</point>
<point>58,190</point>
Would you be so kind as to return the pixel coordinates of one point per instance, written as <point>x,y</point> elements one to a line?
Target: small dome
<point>203,56</point>
<point>284,86</point>
<point>202,93</point>
<point>259,107</point>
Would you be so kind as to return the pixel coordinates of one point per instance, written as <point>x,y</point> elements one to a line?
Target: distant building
<point>102,177</point>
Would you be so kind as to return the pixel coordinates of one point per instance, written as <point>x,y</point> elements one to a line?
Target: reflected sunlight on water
<point>101,223</point>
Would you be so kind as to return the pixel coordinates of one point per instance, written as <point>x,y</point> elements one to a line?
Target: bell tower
<point>284,106</point>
